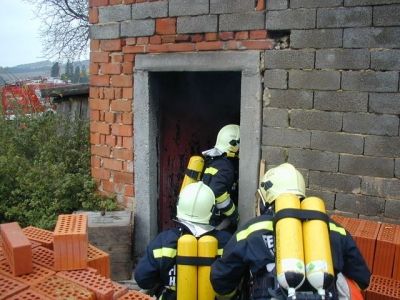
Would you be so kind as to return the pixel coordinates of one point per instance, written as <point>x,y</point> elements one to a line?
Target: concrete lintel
<point>248,62</point>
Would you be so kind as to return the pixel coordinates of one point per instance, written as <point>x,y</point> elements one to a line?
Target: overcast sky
<point>19,34</point>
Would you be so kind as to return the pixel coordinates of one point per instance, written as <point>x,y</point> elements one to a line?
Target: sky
<point>19,34</point>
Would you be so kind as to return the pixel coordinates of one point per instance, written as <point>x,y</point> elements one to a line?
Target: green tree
<point>84,75</point>
<point>55,70</point>
<point>77,75</point>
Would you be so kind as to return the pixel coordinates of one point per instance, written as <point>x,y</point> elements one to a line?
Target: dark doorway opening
<point>192,107</point>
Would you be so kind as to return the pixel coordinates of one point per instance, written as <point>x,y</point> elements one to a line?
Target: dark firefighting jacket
<point>252,249</point>
<point>221,176</point>
<point>157,268</point>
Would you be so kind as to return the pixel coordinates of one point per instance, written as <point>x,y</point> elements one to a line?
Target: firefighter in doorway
<point>156,270</point>
<point>249,256</point>
<point>221,175</point>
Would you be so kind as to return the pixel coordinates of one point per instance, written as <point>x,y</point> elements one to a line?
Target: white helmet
<point>280,180</point>
<point>195,203</point>
<point>228,139</point>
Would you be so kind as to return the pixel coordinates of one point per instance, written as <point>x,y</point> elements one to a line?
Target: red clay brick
<point>100,173</point>
<point>167,39</point>
<point>39,273</point>
<point>100,127</point>
<point>211,36</point>
<point>257,44</point>
<point>9,287</point>
<point>44,257</point>
<point>258,34</point>
<point>382,288</point>
<point>135,295</point>
<point>121,105</point>
<point>385,250</point>
<point>119,290</point>
<point>29,295</point>
<point>144,40</point>
<point>166,26</point>
<point>59,288</point>
<point>181,47</point>
<point>396,267</point>
<point>365,237</point>
<point>241,35</point>
<point>217,45</point>
<point>99,57</point>
<point>95,3</point>
<point>42,236</point>
<point>70,242</point>
<point>99,260</point>
<point>112,164</point>
<point>93,15</point>
<point>111,45</point>
<point>101,286</point>
<point>198,37</point>
<point>103,151</point>
<point>100,80</point>
<point>121,177</point>
<point>111,69</point>
<point>155,39</point>
<point>226,35</point>
<point>122,80</point>
<point>16,248</point>
<point>134,49</point>
<point>121,130</point>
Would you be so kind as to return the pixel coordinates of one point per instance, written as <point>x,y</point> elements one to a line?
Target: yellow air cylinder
<point>187,274</point>
<point>317,249</point>
<point>193,170</point>
<point>289,246</point>
<point>207,247</point>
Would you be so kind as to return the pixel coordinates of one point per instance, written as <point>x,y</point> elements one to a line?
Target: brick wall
<point>331,97</point>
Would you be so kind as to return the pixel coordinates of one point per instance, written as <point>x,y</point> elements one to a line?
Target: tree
<point>84,75</point>
<point>77,74</point>
<point>65,28</point>
<point>55,70</point>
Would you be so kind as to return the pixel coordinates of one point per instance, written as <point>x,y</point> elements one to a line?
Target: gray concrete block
<point>337,142</point>
<point>137,28</point>
<point>275,117</point>
<point>387,15</point>
<point>274,155</point>
<point>382,146</point>
<point>334,182</point>
<point>290,98</point>
<point>243,21</point>
<point>146,10</point>
<point>314,159</point>
<point>114,13</point>
<point>314,119</point>
<point>329,198</point>
<point>197,24</point>
<point>366,165</point>
<point>188,7</point>
<point>344,17</point>
<point>369,81</point>
<point>106,31</point>
<point>289,59</point>
<point>302,18</point>
<point>231,6</point>
<point>384,103</point>
<point>285,137</point>
<point>277,4</point>
<point>317,80</point>
<point>392,209</point>
<point>345,59</point>
<point>371,206</point>
<point>368,2</point>
<point>347,202</point>
<point>377,37</point>
<point>381,187</point>
<point>318,38</point>
<point>365,123</point>
<point>275,79</point>
<point>397,167</point>
<point>386,60</point>
<point>341,101</point>
<point>314,3</point>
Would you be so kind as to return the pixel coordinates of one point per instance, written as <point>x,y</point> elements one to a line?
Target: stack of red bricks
<point>37,264</point>
<point>379,244</point>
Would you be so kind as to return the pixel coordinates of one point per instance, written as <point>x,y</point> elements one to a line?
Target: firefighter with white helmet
<point>252,249</point>
<point>221,175</point>
<point>158,265</point>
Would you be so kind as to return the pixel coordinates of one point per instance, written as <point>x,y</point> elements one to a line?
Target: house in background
<point>314,83</point>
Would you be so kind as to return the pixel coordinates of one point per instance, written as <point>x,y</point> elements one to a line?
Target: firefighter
<point>250,253</point>
<point>156,270</point>
<point>221,175</point>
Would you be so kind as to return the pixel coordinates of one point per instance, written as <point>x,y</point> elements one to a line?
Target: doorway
<point>193,106</point>
<point>176,97</point>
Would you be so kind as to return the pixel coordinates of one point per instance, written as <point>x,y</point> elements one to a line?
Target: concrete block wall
<point>331,87</point>
<point>332,101</point>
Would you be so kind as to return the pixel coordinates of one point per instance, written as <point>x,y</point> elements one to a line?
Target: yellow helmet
<point>228,139</point>
<point>282,179</point>
<point>195,203</point>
